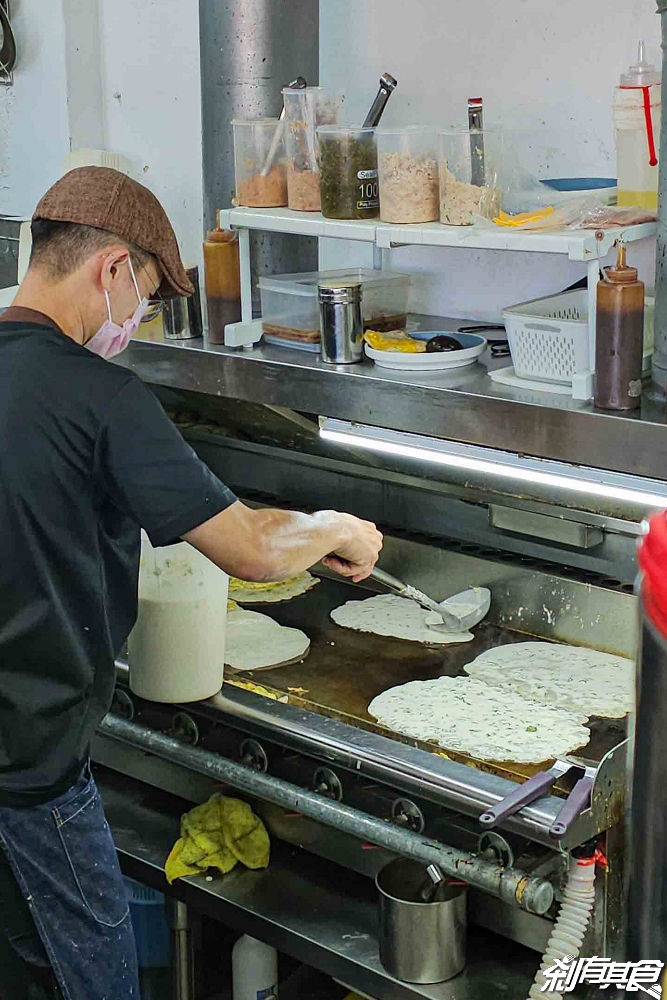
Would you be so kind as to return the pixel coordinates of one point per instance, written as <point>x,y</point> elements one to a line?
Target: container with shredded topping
<point>407,175</point>
<point>469,176</point>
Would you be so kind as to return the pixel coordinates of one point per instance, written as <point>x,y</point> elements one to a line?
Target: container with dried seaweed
<point>260,183</point>
<point>408,175</point>
<point>461,199</point>
<point>348,172</point>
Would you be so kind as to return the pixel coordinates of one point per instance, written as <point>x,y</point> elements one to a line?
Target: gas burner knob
<point>494,847</point>
<point>405,813</point>
<point>253,754</point>
<point>184,728</point>
<point>122,705</point>
<point>326,782</point>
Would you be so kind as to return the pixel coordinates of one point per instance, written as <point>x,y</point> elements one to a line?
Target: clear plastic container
<point>259,163</point>
<point>469,164</point>
<point>223,282</point>
<point>290,311</point>
<point>176,649</point>
<point>408,175</point>
<point>348,172</point>
<point>637,111</point>
<point>305,109</point>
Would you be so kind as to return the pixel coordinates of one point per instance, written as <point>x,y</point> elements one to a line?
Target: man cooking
<point>87,458</point>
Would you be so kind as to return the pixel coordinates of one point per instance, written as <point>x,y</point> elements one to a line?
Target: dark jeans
<point>64,914</point>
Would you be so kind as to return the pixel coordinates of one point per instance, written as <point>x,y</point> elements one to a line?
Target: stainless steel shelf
<point>300,905</point>
<point>463,406</point>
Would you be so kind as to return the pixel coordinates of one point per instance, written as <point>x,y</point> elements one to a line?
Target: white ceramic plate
<point>473,347</point>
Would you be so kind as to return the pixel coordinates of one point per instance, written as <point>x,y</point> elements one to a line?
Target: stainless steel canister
<point>341,324</point>
<point>420,942</point>
<point>182,317</point>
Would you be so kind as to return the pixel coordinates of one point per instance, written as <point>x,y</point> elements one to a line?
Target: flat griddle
<point>345,670</point>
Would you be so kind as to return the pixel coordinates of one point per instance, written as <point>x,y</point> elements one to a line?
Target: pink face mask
<point>111,338</point>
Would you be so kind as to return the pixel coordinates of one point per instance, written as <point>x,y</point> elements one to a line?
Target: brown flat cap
<point>109,200</point>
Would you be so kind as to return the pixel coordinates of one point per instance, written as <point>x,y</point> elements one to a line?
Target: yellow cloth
<point>218,834</point>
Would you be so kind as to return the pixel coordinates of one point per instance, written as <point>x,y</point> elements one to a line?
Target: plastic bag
<point>596,216</point>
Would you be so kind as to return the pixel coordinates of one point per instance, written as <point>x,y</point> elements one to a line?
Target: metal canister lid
<point>339,291</point>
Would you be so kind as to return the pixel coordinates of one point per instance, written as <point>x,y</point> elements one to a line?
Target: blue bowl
<point>466,340</point>
<point>580,183</point>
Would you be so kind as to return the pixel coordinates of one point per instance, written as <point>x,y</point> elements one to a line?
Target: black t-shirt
<point>87,457</point>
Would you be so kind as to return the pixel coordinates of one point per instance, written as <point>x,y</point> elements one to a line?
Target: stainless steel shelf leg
<point>183,969</point>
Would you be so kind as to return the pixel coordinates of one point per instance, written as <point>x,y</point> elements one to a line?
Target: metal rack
<point>583,245</point>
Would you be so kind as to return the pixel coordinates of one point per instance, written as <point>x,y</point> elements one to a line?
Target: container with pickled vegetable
<point>348,172</point>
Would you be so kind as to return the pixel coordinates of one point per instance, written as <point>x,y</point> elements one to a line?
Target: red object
<point>652,158</point>
<point>653,564</point>
<point>600,859</point>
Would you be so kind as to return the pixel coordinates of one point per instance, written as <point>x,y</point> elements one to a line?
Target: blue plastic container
<point>149,920</point>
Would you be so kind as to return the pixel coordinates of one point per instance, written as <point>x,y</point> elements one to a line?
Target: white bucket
<point>177,647</point>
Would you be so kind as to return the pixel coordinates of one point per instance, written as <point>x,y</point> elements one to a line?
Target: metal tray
<point>345,670</point>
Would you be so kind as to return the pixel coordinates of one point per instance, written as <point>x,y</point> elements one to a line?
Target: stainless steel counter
<point>316,911</point>
<point>464,406</point>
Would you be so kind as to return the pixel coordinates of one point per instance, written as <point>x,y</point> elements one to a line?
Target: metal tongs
<point>478,597</point>
<point>475,125</point>
<point>578,799</point>
<point>387,86</point>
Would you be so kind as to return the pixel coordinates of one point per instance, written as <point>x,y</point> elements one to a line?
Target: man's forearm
<point>292,541</point>
<point>266,545</point>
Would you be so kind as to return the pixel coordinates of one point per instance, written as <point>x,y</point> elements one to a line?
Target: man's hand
<point>358,553</point>
<point>265,545</point>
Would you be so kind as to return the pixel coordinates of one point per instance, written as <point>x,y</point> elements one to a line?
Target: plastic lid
<point>340,290</point>
<point>254,121</point>
<point>346,129</point>
<point>621,274</point>
<point>642,73</point>
<point>405,130</point>
<point>653,564</point>
<point>302,90</point>
<point>221,236</point>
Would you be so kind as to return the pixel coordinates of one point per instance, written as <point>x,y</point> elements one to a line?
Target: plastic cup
<point>408,175</point>
<point>469,172</point>
<point>259,163</point>
<point>348,172</point>
<point>305,109</point>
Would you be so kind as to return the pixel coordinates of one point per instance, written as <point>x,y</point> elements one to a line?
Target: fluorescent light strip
<point>496,468</point>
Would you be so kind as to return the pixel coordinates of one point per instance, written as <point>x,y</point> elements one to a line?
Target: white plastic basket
<point>548,338</point>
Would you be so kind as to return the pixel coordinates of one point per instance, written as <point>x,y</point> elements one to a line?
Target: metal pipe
<point>512,886</point>
<point>249,51</point>
<point>660,320</point>
<point>183,968</point>
<point>444,782</point>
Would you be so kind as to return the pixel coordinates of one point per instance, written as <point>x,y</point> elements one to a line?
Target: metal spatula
<point>476,602</point>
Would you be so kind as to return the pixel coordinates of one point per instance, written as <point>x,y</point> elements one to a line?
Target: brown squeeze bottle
<point>222,277</point>
<point>619,338</point>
